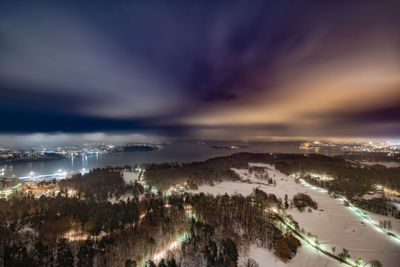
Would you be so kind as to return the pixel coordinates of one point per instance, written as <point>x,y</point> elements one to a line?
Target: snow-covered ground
<point>130,177</point>
<point>334,224</point>
<point>306,256</point>
<point>123,198</point>
<point>388,164</point>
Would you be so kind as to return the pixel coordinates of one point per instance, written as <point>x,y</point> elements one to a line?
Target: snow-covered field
<point>334,224</point>
<point>389,164</point>
<point>306,256</point>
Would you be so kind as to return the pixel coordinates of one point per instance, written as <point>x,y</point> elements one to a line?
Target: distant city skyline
<point>73,71</point>
<point>78,139</point>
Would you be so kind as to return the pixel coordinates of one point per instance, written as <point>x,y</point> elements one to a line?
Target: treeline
<point>209,171</point>
<point>372,156</point>
<point>28,158</point>
<point>165,175</point>
<point>101,184</point>
<point>379,205</point>
<point>350,179</point>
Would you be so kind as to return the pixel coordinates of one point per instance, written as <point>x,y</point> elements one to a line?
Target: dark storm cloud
<point>185,69</point>
<point>43,121</point>
<point>381,115</point>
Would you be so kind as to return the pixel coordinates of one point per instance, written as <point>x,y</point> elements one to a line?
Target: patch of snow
<point>306,256</point>
<point>28,230</point>
<point>375,195</point>
<point>387,164</point>
<point>130,177</point>
<point>262,165</point>
<point>123,198</point>
<point>74,235</point>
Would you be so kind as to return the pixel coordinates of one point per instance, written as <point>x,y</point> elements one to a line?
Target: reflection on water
<point>175,152</point>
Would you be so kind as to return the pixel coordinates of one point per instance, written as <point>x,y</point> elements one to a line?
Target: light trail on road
<point>308,240</point>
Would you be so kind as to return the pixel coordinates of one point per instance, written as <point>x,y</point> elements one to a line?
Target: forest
<point>101,184</point>
<point>80,231</point>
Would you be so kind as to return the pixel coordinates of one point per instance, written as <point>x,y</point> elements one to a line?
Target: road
<point>310,241</point>
<point>359,212</point>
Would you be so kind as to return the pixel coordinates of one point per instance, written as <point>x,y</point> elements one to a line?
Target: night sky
<point>208,69</point>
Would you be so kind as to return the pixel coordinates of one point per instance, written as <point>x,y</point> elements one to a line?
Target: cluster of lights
<point>171,246</point>
<point>83,171</point>
<point>31,176</point>
<point>321,177</point>
<point>162,253</point>
<point>386,147</point>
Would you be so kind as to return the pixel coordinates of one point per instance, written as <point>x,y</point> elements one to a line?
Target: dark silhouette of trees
<point>375,263</point>
<point>65,258</point>
<point>100,184</point>
<point>252,263</point>
<point>301,201</point>
<point>286,202</point>
<point>86,254</point>
<point>344,254</point>
<point>379,205</point>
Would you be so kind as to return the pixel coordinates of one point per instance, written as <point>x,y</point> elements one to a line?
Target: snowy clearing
<point>334,224</point>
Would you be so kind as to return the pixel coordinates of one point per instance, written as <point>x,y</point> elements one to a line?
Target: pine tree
<point>286,202</point>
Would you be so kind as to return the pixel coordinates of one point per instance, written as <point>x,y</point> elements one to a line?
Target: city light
<point>83,171</point>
